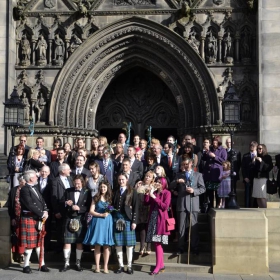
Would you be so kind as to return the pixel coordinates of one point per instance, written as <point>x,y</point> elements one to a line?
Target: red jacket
<point>162,201</point>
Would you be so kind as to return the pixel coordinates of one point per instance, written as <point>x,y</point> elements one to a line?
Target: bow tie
<point>77,190</point>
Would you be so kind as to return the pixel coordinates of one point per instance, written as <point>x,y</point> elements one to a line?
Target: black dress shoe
<point>27,270</point>
<point>78,267</point>
<point>44,269</point>
<point>65,268</point>
<point>129,270</point>
<point>120,270</point>
<point>154,273</point>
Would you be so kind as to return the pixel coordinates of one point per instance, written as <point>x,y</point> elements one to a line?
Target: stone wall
<point>269,70</point>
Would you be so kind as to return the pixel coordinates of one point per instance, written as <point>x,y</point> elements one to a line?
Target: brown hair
<point>108,195</point>
<point>218,139</point>
<point>80,177</point>
<point>264,149</point>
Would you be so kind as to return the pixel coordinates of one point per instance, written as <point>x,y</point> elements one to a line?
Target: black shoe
<point>65,268</point>
<point>78,267</point>
<point>44,269</point>
<point>120,270</point>
<point>154,273</point>
<point>129,270</point>
<point>27,270</point>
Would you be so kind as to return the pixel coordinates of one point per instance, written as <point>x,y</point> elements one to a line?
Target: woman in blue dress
<point>100,229</point>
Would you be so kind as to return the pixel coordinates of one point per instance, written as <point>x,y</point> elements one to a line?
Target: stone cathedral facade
<point>84,67</point>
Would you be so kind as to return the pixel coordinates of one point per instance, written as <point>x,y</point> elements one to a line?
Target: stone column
<point>33,51</point>
<point>66,48</point>
<point>5,237</point>
<point>17,52</point>
<point>202,47</point>
<point>220,49</point>
<point>50,51</point>
<point>88,143</point>
<point>237,39</point>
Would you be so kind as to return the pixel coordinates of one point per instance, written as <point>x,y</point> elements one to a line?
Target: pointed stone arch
<point>119,47</point>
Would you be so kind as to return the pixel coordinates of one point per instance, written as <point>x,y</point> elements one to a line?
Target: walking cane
<point>190,228</point>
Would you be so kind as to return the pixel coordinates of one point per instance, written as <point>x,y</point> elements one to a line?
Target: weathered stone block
<point>235,250</point>
<point>270,26</point>
<point>271,14</point>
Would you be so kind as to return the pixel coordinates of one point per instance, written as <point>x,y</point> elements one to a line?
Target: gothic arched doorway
<point>140,97</point>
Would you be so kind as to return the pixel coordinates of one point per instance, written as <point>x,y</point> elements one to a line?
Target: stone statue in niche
<point>211,48</point>
<point>59,51</point>
<point>246,47</point>
<point>228,53</point>
<point>25,51</point>
<point>74,44</point>
<point>193,41</point>
<point>25,101</point>
<point>41,48</point>
<point>39,107</point>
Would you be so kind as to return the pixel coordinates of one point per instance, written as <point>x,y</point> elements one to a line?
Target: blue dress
<point>100,230</point>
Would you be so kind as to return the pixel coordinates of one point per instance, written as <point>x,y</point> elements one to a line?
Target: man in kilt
<point>33,210</point>
<point>74,205</point>
<point>125,219</point>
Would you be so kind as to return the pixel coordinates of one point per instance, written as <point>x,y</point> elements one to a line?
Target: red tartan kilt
<point>29,236</point>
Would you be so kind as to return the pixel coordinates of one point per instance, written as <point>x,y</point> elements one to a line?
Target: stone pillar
<point>236,250</point>
<point>66,48</point>
<point>50,52</point>
<point>219,49</point>
<point>5,237</point>
<point>269,72</point>
<point>33,57</point>
<point>17,52</point>
<point>202,47</point>
<point>237,39</point>
<point>88,143</point>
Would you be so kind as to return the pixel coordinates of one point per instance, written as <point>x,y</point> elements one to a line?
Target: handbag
<point>120,225</point>
<point>170,222</point>
<point>271,186</point>
<point>74,225</point>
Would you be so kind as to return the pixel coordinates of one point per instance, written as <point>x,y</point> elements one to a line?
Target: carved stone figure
<point>25,51</point>
<point>228,49</point>
<point>39,106</point>
<point>82,9</point>
<point>25,101</point>
<point>75,43</point>
<point>218,2</point>
<point>211,48</point>
<point>49,3</point>
<point>59,51</point>
<point>41,48</point>
<point>193,41</point>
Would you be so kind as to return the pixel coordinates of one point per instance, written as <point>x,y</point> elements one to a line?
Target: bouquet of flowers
<point>110,209</point>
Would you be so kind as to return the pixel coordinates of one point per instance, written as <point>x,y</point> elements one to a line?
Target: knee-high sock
<point>38,255</point>
<point>67,253</point>
<point>27,255</point>
<point>129,254</point>
<point>78,255</point>
<point>120,255</point>
<point>159,257</point>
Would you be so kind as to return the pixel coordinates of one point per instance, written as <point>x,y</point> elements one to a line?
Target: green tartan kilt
<point>126,237</point>
<point>70,237</point>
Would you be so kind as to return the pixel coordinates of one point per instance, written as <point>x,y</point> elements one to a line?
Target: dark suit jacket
<point>31,202</point>
<point>46,193</point>
<point>58,191</point>
<point>84,203</point>
<point>109,172</point>
<point>131,210</point>
<point>54,169</point>
<point>183,201</point>
<point>247,167</point>
<point>85,173</point>
<point>236,161</point>
<point>137,167</point>
<point>169,171</point>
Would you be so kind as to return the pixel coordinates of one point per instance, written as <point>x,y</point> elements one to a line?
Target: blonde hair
<point>103,138</point>
<point>31,153</point>
<point>228,164</point>
<point>163,174</point>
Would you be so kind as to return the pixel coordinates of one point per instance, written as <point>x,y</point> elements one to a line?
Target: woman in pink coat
<point>158,197</point>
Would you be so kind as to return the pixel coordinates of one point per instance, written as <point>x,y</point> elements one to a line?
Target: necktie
<point>78,191</point>
<point>169,162</point>
<point>43,184</point>
<point>187,176</point>
<point>67,183</point>
<point>252,156</point>
<point>122,190</point>
<point>105,164</point>
<point>78,171</point>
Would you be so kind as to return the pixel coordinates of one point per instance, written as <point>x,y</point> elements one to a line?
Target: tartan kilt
<point>29,236</point>
<point>126,237</point>
<point>70,237</point>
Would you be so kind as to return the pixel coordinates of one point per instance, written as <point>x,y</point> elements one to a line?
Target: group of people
<point>100,197</point>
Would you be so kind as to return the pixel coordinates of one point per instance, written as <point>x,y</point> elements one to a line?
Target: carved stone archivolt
<point>80,88</point>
